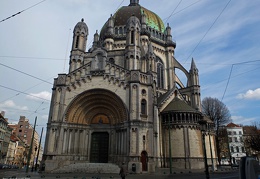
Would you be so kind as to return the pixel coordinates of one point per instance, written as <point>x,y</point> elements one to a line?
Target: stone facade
<point>122,101</point>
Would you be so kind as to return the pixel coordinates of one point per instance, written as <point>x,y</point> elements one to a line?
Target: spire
<point>168,33</point>
<point>193,65</point>
<point>134,2</point>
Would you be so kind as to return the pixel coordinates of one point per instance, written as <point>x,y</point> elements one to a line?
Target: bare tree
<point>252,140</point>
<point>219,114</point>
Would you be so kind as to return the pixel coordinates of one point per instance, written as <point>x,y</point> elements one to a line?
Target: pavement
<point>162,174</point>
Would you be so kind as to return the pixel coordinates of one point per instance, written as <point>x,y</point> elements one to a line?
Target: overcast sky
<point>222,36</point>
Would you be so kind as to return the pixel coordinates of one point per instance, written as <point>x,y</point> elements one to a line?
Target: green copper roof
<point>152,20</point>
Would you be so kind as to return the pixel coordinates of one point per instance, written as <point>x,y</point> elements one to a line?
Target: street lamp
<point>203,128</point>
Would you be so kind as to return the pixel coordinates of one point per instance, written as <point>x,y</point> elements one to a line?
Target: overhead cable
<point>24,93</point>
<point>22,11</point>
<point>208,30</point>
<point>25,73</point>
<point>173,11</point>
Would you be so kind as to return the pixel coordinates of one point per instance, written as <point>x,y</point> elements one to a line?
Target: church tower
<point>80,36</point>
<point>133,29</point>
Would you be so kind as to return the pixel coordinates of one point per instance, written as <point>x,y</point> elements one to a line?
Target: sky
<point>221,36</point>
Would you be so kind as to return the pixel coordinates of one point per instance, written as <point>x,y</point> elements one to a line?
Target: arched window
<point>77,42</point>
<point>160,73</point>
<point>143,106</point>
<point>111,60</point>
<point>120,30</point>
<point>132,37</point>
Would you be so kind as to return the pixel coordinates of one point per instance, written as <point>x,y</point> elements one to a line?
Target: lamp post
<point>170,148</point>
<point>35,149</point>
<point>203,125</point>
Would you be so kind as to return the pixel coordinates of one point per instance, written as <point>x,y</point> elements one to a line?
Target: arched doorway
<point>99,147</point>
<point>144,160</point>
<point>98,113</point>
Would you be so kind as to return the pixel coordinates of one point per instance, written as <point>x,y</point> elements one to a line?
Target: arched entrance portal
<point>97,117</point>
<point>99,147</point>
<point>144,160</point>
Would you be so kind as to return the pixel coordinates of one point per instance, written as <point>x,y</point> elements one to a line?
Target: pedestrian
<point>123,171</point>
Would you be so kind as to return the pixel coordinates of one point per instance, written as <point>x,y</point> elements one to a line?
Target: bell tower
<point>133,52</point>
<point>80,36</point>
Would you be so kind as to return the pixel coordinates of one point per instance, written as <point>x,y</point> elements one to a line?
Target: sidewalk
<point>161,174</point>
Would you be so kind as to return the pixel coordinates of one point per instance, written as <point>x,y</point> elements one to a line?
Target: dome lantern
<point>134,2</point>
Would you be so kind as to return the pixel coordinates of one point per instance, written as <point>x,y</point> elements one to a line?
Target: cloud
<point>242,120</point>
<point>11,104</point>
<point>250,94</point>
<point>44,95</point>
<point>45,117</point>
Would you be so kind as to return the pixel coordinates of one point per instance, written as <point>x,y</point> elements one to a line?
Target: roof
<point>125,12</point>
<point>152,19</point>
<point>232,125</point>
<point>179,105</point>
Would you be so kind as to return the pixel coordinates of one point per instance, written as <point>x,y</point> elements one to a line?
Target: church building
<point>122,101</point>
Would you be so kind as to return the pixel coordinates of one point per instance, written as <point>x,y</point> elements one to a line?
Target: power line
<point>23,93</point>
<point>119,6</point>
<point>40,58</point>
<point>22,11</point>
<point>231,73</point>
<point>173,11</point>
<point>25,73</point>
<point>208,30</point>
<point>227,82</point>
<point>181,10</point>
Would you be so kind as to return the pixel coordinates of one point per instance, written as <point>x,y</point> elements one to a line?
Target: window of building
<point>24,135</point>
<point>143,106</point>
<point>77,42</point>
<point>230,139</point>
<point>232,149</point>
<point>240,133</point>
<point>26,127</point>
<point>160,73</point>
<point>132,37</point>
<point>237,148</point>
<point>20,130</point>
<point>243,149</point>
<point>235,139</point>
<point>111,60</point>
<point>144,92</point>
<point>234,133</point>
<point>21,126</point>
<point>229,133</point>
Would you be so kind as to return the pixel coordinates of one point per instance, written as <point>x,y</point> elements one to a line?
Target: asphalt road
<point>21,174</point>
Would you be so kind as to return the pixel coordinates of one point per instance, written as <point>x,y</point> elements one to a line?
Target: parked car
<point>1,166</point>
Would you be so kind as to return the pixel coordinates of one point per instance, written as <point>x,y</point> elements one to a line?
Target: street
<point>21,174</point>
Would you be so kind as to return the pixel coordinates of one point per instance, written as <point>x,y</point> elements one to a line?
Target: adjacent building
<point>23,130</point>
<point>236,143</point>
<point>5,133</point>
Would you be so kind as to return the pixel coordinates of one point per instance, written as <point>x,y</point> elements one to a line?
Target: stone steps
<point>89,168</point>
